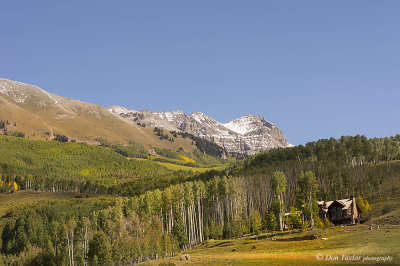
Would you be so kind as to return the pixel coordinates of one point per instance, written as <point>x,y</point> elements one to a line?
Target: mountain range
<point>247,135</point>
<point>41,115</point>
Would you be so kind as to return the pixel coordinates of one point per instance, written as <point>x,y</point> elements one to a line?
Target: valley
<point>336,246</point>
<point>155,209</point>
<point>87,185</point>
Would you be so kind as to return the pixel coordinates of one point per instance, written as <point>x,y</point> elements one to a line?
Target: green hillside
<point>79,167</point>
<point>234,215</point>
<point>103,217</point>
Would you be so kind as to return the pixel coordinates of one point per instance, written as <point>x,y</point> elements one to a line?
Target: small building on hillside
<point>342,211</point>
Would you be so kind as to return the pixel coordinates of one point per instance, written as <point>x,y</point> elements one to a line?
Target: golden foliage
<point>187,159</point>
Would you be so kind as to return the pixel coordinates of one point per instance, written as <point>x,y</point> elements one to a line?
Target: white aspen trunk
<point>194,228</point>
<point>311,213</point>
<point>86,245</point>
<point>187,223</point>
<point>200,221</point>
<point>280,212</point>
<point>72,250</point>
<point>69,251</point>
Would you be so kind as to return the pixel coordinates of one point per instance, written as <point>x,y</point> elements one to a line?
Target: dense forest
<point>249,197</point>
<point>155,224</point>
<point>76,167</point>
<point>343,167</point>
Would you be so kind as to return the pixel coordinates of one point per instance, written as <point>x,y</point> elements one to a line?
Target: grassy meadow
<point>340,245</point>
<point>287,247</point>
<point>176,167</point>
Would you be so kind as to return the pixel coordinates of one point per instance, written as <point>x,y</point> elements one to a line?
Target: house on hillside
<point>342,211</point>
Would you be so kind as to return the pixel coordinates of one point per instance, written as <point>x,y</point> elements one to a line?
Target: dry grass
<point>80,120</point>
<point>176,167</point>
<point>348,241</point>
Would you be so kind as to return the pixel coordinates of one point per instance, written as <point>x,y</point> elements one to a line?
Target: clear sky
<point>317,69</point>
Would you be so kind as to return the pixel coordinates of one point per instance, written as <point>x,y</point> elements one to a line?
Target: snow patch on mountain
<point>199,117</point>
<point>170,116</point>
<point>13,90</point>
<point>248,123</point>
<point>247,135</point>
<point>120,110</point>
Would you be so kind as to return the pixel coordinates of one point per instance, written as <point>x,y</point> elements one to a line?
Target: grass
<point>332,246</point>
<point>267,249</point>
<point>76,119</point>
<point>176,167</point>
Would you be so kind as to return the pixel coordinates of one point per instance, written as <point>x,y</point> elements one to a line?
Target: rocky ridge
<point>246,135</point>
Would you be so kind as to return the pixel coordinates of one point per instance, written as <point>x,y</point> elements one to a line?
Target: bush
<point>18,134</point>
<point>269,221</point>
<point>61,138</point>
<point>293,221</point>
<point>214,230</point>
<point>362,205</point>
<point>327,223</point>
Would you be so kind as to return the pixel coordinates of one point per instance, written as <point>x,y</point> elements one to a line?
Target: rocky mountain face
<point>246,135</point>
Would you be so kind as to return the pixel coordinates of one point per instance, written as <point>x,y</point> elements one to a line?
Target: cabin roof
<point>328,203</point>
<point>345,203</point>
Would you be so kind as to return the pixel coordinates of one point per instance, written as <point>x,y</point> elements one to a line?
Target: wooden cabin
<point>342,211</point>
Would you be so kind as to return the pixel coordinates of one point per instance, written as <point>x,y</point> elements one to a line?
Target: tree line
<point>155,224</point>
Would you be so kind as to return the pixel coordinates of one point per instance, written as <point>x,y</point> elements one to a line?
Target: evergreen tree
<point>270,222</point>
<point>178,231</point>
<point>100,251</point>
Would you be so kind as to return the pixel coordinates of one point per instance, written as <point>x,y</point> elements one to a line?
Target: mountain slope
<point>41,115</point>
<point>247,135</point>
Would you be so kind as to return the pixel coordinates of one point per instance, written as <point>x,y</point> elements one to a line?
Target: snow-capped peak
<point>170,115</point>
<point>246,135</point>
<point>120,110</point>
<point>199,117</point>
<point>247,123</point>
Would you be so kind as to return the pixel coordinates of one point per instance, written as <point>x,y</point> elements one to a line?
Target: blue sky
<point>317,69</point>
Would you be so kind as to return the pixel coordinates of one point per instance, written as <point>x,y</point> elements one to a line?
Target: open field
<point>332,246</point>
<point>177,167</point>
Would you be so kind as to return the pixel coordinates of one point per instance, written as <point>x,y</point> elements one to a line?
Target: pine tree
<point>100,249</point>
<point>178,230</point>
